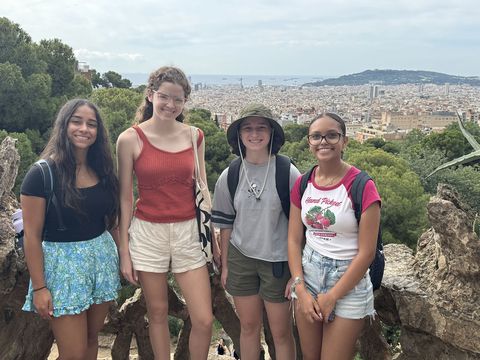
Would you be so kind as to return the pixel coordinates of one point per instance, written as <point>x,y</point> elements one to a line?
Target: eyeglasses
<point>331,138</point>
<point>164,98</point>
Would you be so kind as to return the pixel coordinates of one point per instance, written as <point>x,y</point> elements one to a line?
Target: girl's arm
<point>203,176</point>
<point>33,211</point>
<point>306,303</point>
<point>125,157</point>
<point>367,239</point>
<point>225,234</point>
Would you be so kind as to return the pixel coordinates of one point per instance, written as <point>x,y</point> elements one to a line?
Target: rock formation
<point>434,295</point>
<point>23,336</point>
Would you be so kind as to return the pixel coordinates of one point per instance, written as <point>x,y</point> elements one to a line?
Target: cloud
<point>86,54</point>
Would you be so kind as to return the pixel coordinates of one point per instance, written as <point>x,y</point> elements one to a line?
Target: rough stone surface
<point>434,295</point>
<point>22,335</point>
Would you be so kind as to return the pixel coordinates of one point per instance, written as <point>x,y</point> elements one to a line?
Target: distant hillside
<point>396,77</point>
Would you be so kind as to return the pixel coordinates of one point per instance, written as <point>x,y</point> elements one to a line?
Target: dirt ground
<point>105,341</point>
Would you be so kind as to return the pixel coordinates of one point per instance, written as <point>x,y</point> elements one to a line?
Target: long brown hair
<point>164,74</point>
<point>99,157</point>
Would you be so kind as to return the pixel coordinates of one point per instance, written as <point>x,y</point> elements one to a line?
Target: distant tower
<point>373,93</point>
<point>241,83</point>
<point>447,89</point>
<point>260,84</point>
<point>420,88</point>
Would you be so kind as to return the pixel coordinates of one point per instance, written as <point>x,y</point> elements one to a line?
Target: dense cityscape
<point>387,111</point>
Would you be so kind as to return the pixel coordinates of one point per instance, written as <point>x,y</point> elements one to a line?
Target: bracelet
<point>40,288</point>
<point>297,280</point>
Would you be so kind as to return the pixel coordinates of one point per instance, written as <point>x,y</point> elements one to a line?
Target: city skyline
<point>260,37</point>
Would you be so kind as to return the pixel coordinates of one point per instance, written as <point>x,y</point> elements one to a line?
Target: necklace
<point>253,187</point>
<point>255,191</point>
<point>332,180</point>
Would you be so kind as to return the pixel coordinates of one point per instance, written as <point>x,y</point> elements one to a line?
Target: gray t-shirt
<point>260,228</point>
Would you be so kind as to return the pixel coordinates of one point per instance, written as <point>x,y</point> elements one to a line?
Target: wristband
<point>40,288</point>
<point>297,280</point>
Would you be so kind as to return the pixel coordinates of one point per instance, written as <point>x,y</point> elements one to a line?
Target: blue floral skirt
<point>79,274</point>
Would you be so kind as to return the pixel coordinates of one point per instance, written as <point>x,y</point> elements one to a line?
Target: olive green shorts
<point>248,276</point>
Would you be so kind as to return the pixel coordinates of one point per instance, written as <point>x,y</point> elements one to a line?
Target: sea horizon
<point>138,79</point>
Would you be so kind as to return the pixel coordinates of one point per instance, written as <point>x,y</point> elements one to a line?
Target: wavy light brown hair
<point>164,74</point>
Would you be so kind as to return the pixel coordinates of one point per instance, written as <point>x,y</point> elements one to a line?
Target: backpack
<point>378,265</point>
<point>50,196</point>
<point>282,179</point>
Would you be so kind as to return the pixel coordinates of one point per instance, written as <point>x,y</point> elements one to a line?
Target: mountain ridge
<point>397,77</point>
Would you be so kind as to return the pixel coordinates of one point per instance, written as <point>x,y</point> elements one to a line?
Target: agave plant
<point>465,159</point>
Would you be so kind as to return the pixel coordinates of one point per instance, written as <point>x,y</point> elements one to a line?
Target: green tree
<point>403,197</point>
<point>118,107</point>
<point>97,80</point>
<point>114,79</point>
<point>451,142</point>
<point>217,150</point>
<point>295,132</point>
<point>376,142</point>
<point>61,64</point>
<point>12,97</point>
<point>79,87</point>
<point>16,47</point>
<point>39,105</point>
<point>36,140</point>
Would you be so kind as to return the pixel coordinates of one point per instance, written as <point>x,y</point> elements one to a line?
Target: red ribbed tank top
<point>165,183</point>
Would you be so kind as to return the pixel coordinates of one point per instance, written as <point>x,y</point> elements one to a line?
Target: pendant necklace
<point>253,187</point>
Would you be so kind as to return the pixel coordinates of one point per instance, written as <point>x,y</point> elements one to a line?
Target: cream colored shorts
<point>159,247</point>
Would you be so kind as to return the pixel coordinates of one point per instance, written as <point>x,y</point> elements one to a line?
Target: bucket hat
<point>255,110</point>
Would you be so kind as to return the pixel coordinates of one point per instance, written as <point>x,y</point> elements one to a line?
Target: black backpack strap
<point>357,193</point>
<point>357,196</point>
<point>232,176</point>
<point>48,182</point>
<point>304,182</point>
<point>282,181</point>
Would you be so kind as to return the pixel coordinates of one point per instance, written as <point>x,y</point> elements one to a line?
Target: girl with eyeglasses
<point>331,285</point>
<point>162,234</point>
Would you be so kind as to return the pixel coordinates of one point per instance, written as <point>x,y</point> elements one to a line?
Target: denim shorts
<point>79,274</point>
<point>321,273</point>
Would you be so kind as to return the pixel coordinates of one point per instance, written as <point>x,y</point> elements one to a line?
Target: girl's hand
<point>288,289</point>
<point>126,267</point>
<point>224,276</point>
<point>326,303</point>
<point>42,300</point>
<point>308,306</point>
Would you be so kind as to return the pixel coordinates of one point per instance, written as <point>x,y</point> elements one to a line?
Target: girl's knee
<point>158,313</point>
<point>250,326</point>
<point>282,335</point>
<point>203,323</point>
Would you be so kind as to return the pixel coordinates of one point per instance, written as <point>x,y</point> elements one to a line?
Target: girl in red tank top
<point>161,234</point>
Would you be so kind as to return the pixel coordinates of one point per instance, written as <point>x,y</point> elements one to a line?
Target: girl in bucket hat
<point>253,230</point>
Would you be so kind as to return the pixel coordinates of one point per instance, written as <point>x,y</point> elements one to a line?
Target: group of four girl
<point>74,268</point>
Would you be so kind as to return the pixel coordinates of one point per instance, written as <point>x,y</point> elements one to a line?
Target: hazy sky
<point>270,37</point>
